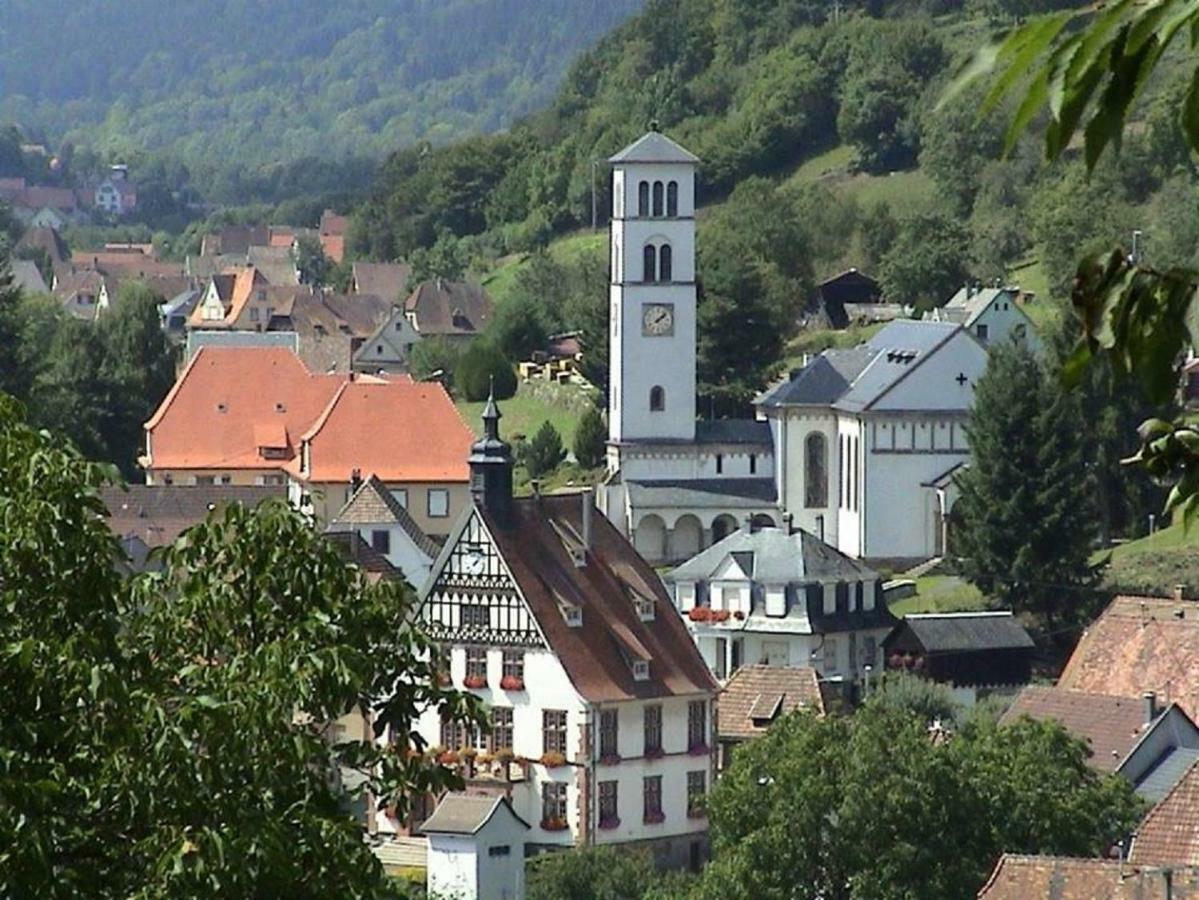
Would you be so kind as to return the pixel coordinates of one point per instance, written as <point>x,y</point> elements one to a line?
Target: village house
<point>386,280</point>
<point>1168,836</point>
<point>115,195</point>
<point>332,234</point>
<point>852,296</point>
<point>376,516</point>
<point>992,315</point>
<point>602,711</point>
<point>389,347</point>
<point>456,311</point>
<point>756,697</point>
<point>476,848</point>
<point>780,597</point>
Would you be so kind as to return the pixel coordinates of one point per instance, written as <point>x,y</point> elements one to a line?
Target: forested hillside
<point>238,83</point>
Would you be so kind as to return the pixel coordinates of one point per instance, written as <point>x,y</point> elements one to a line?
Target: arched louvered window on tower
<point>643,199</point>
<point>665,263</point>
<point>672,199</point>
<point>649,258</point>
<point>657,398</point>
<point>658,205</point>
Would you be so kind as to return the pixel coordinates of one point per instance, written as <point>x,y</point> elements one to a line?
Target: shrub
<point>591,439</point>
<point>478,368</point>
<point>544,452</point>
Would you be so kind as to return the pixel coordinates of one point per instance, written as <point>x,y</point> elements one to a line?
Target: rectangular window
<point>514,664</point>
<point>607,802</point>
<point>254,314</point>
<point>400,496</point>
<point>738,652</point>
<point>501,850</point>
<point>553,731</point>
<point>653,729</point>
<point>608,734</point>
<point>475,615</point>
<point>982,332</point>
<point>721,653</point>
<point>719,463</point>
<point>869,650</point>
<point>697,724</point>
<point>451,734</point>
<point>439,503</point>
<point>651,792</point>
<point>697,790</point>
<point>753,464</point>
<point>501,728</point>
<point>381,541</point>
<point>553,802</point>
<point>730,597</point>
<point>776,601</point>
<point>476,662</point>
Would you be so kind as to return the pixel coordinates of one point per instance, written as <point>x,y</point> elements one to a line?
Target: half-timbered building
<point>601,707</point>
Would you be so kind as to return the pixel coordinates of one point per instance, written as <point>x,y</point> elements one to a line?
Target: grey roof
<point>733,431</point>
<point>374,504</point>
<point>197,338</point>
<point>733,493</point>
<point>1168,771</point>
<point>853,380</point>
<point>771,556</point>
<point>953,632</point>
<point>653,147</point>
<point>969,302</point>
<point>465,814</point>
<point>27,277</point>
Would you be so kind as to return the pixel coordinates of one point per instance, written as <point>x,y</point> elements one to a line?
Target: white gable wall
<point>1001,318</point>
<point>453,866</point>
<point>791,428</point>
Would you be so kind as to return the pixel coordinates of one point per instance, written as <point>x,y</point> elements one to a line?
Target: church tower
<point>651,328</point>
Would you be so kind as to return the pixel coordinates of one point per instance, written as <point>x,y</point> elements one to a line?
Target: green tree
<point>444,259</point>
<point>432,355</point>
<point>591,439</point>
<point>927,262</point>
<point>518,327</point>
<point>314,266</point>
<point>594,873</point>
<point>14,372</point>
<point>929,700</point>
<point>482,368</point>
<point>1026,516</point>
<point>544,453</point>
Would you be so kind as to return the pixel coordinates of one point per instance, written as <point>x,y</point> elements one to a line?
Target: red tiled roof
<point>1169,835</point>
<point>333,224</point>
<point>1019,877</point>
<point>334,246</point>
<point>533,548</point>
<point>399,430</point>
<point>1140,644</point>
<point>1111,725</point>
<point>757,696</point>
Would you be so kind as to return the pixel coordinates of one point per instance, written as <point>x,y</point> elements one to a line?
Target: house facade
<point>389,347</point>
<point>992,315</point>
<point>377,517</point>
<point>602,711</point>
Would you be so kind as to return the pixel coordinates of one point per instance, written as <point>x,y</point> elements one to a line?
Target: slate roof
<point>466,814</point>
<point>1166,773</point>
<point>962,632</point>
<point>1140,644</point>
<point>757,696</point>
<point>654,147</point>
<point>775,557</point>
<point>704,493</point>
<point>386,280</point>
<point>1169,834</point>
<point>533,546</point>
<point>449,308</point>
<point>373,504</point>
<point>733,431</point>
<point>1111,725</point>
<point>157,514</point>
<point>855,379</point>
<point>27,277</point>
<point>1018,877</point>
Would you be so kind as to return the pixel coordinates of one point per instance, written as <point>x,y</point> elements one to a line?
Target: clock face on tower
<point>657,319</point>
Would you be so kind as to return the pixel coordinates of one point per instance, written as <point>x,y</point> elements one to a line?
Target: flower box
<point>553,760</point>
<point>448,758</point>
<point>610,759</point>
<point>504,755</point>
<point>609,822</point>
<point>699,614</point>
<point>654,753</point>
<point>654,818</point>
<point>699,750</point>
<point>553,824</point>
<point>475,681</point>
<point>720,615</point>
<point>512,683</point>
<point>738,615</point>
<point>442,679</point>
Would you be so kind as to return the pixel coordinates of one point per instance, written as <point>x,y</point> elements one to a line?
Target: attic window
<point>279,407</point>
<point>640,670</point>
<point>573,616</point>
<point>764,709</point>
<point>221,407</point>
<point>645,609</point>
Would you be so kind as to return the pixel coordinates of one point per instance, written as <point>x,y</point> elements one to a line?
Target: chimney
<point>1149,698</point>
<point>355,480</point>
<point>788,523</point>
<point>748,524</point>
<point>820,527</point>
<point>1179,592</point>
<point>588,509</point>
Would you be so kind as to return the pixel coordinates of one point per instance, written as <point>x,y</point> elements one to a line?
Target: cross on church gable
<point>961,379</point>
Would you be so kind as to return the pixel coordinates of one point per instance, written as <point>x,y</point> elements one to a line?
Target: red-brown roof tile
<point>1019,877</point>
<point>1110,725</point>
<point>1169,835</point>
<point>757,696</point>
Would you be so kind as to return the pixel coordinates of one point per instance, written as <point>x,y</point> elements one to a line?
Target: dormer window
<point>645,609</point>
<point>776,601</point>
<point>640,670</point>
<point>573,616</point>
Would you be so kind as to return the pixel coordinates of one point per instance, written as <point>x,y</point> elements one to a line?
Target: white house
<point>674,485</point>
<point>388,349</point>
<point>601,707</point>
<point>770,596</point>
<point>867,439</point>
<point>476,849</point>
<point>379,518</point>
<point>991,314</point>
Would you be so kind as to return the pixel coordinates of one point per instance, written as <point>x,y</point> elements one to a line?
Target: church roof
<point>654,147</point>
<point>704,493</point>
<point>771,556</point>
<point>732,431</point>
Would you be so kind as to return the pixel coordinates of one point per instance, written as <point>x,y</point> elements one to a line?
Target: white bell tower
<point>651,328</point>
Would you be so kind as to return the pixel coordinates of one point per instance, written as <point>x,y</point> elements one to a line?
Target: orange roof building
<point>256,415</point>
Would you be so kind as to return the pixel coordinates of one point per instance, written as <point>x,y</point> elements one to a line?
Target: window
<point>722,649</point>
<point>657,399</point>
<point>1020,331</point>
<point>476,662</point>
<point>400,496</point>
<point>672,198</point>
<point>381,541</point>
<point>736,655</point>
<point>719,463</point>
<point>439,503</point>
<point>643,199</point>
<point>514,664</point>
<point>653,729</point>
<point>753,464</point>
<point>665,262</point>
<point>608,734</point>
<point>697,790</point>
<point>607,803</point>
<point>697,724</point>
<point>553,731</point>
<point>842,597</point>
<point>651,793</point>
<point>658,204</point>
<point>501,850</point>
<point>475,615</point>
<point>649,258</point>
<point>858,594</point>
<point>730,597</point>
<point>815,471</point>
<point>857,474</point>
<point>776,601</point>
<point>253,313</point>
<point>553,801</point>
<point>451,734</point>
<point>841,471</point>
<point>501,728</point>
<point>982,331</point>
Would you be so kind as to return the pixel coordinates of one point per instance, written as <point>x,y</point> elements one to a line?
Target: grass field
<point>1155,564</point>
<point>500,280</point>
<point>535,402</point>
<point>941,593</point>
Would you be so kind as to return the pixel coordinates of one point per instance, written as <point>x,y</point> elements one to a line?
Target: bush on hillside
<point>482,365</point>
<point>433,355</point>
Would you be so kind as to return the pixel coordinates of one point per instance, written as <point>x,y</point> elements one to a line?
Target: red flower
<point>738,615</point>
<point>475,681</point>
<point>655,753</point>
<point>699,750</point>
<point>553,760</point>
<point>699,614</point>
<point>512,683</point>
<point>556,823</point>
<point>720,615</point>
<point>610,759</point>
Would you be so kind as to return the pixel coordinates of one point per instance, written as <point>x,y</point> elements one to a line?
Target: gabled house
<point>476,848</point>
<point>756,697</point>
<point>853,296</point>
<point>454,310</point>
<point>388,348</point>
<point>27,277</point>
<point>602,711</point>
<point>779,597</point>
<point>376,514</point>
<point>992,315</point>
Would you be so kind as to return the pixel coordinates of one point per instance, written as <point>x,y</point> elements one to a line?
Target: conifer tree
<point>544,452</point>
<point>1026,518</point>
<point>591,439</point>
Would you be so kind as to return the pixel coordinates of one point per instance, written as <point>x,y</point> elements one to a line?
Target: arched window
<point>649,257</point>
<point>657,398</point>
<point>643,199</point>
<point>672,199</point>
<point>664,263</point>
<point>657,198</point>
<point>815,471</point>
